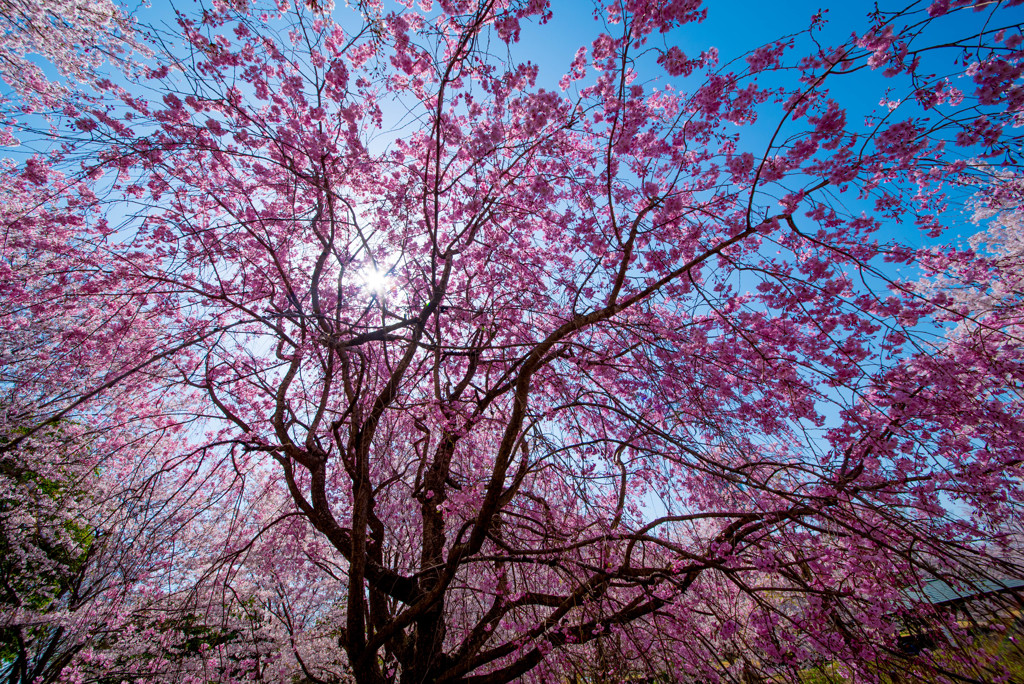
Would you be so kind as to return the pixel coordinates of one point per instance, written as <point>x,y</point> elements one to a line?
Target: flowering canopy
<point>416,370</point>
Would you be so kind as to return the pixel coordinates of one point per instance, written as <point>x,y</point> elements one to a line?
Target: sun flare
<point>376,281</point>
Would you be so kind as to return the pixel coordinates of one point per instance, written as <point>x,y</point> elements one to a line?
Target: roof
<point>937,592</point>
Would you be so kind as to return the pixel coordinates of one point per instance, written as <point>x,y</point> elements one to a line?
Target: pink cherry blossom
<point>337,345</point>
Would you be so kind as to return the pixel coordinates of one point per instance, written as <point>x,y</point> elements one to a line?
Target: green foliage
<point>197,637</point>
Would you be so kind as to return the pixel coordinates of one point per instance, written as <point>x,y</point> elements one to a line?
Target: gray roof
<point>937,592</point>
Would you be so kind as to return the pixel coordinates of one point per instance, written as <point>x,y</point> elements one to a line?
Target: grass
<point>996,657</point>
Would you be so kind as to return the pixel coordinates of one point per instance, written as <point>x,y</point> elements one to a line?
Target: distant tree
<point>478,381</point>
<point>45,545</point>
<point>989,288</point>
<point>92,579</point>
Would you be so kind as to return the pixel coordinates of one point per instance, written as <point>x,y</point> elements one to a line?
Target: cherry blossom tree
<point>468,376</point>
<point>70,547</point>
<point>75,37</point>
<point>987,289</point>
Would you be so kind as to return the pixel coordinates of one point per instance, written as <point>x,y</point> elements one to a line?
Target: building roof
<point>937,592</point>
